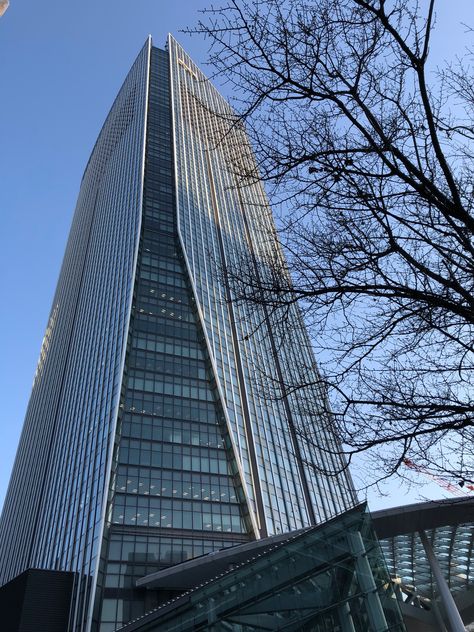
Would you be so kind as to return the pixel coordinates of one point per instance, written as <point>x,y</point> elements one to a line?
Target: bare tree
<point>371,151</point>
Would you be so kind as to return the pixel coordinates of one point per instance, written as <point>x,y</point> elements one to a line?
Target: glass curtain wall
<point>176,487</point>
<point>54,510</point>
<point>158,427</point>
<point>284,440</point>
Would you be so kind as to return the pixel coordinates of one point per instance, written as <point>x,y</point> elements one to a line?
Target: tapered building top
<point>159,426</point>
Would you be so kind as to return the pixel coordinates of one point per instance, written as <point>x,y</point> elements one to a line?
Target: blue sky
<point>62,64</point>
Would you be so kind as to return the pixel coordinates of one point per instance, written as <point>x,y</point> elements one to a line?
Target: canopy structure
<point>428,548</point>
<point>406,568</point>
<point>328,577</point>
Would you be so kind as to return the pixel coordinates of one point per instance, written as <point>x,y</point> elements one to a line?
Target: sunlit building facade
<point>160,426</point>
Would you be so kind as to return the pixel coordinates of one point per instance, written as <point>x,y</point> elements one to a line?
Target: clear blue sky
<point>62,64</point>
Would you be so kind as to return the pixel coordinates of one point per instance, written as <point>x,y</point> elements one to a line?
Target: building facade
<point>160,425</point>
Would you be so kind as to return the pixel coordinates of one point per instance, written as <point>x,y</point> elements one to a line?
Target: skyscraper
<point>151,435</point>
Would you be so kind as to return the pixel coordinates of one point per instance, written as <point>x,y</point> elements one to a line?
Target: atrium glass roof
<point>328,577</point>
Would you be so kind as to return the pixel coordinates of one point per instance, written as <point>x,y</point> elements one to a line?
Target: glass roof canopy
<point>448,526</point>
<point>452,545</point>
<point>328,577</point>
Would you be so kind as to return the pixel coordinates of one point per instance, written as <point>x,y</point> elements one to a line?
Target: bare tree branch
<point>371,156</point>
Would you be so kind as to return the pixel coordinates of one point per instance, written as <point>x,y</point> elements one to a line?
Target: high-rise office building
<point>160,426</point>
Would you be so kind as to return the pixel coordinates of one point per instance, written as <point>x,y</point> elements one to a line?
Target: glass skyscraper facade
<point>150,437</point>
